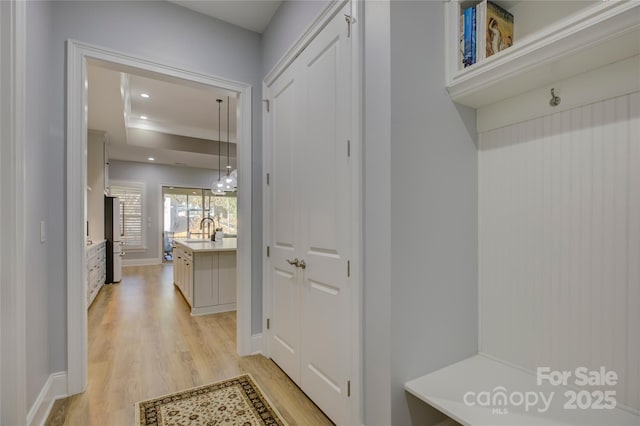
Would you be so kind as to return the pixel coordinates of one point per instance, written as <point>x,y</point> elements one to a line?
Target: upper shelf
<point>585,37</point>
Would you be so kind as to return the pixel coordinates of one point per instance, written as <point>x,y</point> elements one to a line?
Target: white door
<point>286,289</point>
<point>311,214</point>
<point>325,215</point>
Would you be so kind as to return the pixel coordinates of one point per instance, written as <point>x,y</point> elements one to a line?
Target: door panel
<point>286,308</point>
<point>325,216</point>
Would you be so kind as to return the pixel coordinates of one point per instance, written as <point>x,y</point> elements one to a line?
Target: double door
<point>310,219</point>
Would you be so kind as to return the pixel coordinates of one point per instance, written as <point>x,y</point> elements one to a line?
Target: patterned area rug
<point>237,401</point>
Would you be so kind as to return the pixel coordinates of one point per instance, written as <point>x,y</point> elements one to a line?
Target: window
<point>184,209</point>
<point>131,218</point>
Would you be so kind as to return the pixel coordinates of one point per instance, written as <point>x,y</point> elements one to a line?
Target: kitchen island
<point>205,273</point>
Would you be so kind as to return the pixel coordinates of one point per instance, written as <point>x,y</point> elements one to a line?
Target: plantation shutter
<point>130,214</point>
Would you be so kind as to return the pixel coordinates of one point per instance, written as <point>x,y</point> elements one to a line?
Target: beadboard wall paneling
<point>559,224</point>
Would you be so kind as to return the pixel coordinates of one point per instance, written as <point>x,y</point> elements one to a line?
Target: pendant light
<point>231,182</point>
<point>217,186</point>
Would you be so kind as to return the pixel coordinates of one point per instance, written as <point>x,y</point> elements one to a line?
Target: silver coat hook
<point>555,100</point>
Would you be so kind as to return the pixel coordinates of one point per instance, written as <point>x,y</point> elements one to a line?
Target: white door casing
<point>13,383</point>
<point>77,55</point>
<point>310,219</point>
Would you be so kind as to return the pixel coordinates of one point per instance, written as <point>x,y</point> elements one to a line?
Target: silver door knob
<point>302,264</point>
<point>295,262</point>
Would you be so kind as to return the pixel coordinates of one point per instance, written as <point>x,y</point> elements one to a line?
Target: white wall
<point>152,176</point>
<point>434,216</point>
<point>37,193</point>
<point>163,32</point>
<point>560,242</point>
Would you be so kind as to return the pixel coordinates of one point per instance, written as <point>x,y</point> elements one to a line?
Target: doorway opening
<point>79,56</point>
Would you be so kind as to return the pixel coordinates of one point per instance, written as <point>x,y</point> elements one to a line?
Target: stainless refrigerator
<point>113,234</point>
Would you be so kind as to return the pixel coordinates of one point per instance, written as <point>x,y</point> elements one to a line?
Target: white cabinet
<point>96,269</point>
<point>207,280</point>
<point>226,277</point>
<point>183,272</point>
<point>553,40</point>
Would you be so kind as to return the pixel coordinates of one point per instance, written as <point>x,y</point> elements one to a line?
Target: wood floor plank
<point>143,343</point>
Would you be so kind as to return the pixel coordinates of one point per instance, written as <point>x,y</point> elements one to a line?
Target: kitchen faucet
<point>204,219</point>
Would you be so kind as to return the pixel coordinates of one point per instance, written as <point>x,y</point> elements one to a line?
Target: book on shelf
<point>468,31</point>
<point>474,33</point>
<point>461,41</point>
<point>499,29</point>
<point>481,15</point>
<point>485,29</point>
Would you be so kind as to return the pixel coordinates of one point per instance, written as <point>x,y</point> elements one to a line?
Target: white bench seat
<point>445,390</point>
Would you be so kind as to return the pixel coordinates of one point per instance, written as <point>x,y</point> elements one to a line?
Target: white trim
<point>141,262</point>
<point>216,309</point>
<point>617,79</point>
<point>356,325</point>
<point>54,388</point>
<point>256,344</point>
<point>357,159</point>
<point>266,234</point>
<point>243,253</point>
<point>77,55</point>
<point>13,397</point>
<point>309,34</point>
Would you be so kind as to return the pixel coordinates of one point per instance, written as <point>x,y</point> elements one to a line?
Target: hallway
<point>143,343</point>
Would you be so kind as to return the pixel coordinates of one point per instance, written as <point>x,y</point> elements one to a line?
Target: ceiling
<point>176,124</point>
<point>253,15</point>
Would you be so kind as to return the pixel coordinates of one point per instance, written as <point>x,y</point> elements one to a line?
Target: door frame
<point>357,104</point>
<point>76,171</point>
<point>13,371</point>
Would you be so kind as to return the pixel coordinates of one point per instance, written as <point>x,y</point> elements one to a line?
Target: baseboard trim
<point>256,343</point>
<point>141,262</point>
<point>216,309</point>
<point>54,388</point>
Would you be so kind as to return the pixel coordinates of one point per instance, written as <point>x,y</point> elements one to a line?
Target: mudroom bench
<point>467,390</point>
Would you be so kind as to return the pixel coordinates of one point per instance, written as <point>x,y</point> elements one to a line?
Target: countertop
<point>88,245</point>
<point>227,244</point>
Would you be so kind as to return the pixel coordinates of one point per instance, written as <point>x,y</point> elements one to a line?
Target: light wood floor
<point>143,343</point>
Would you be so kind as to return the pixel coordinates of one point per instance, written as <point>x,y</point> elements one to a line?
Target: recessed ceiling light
<point>151,159</point>
<point>144,95</point>
<point>143,117</point>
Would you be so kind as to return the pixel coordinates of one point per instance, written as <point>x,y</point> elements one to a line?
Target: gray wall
<point>38,187</point>
<point>377,215</point>
<point>287,25</point>
<point>163,32</point>
<point>434,218</point>
<point>152,176</point>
